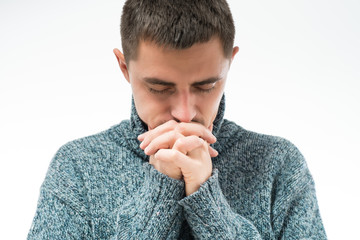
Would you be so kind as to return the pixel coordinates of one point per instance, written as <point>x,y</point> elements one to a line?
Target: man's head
<point>176,58</point>
<point>176,24</point>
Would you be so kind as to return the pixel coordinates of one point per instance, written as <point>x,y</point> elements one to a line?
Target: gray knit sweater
<point>102,187</point>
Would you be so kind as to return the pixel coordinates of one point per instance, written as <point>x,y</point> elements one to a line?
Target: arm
<point>154,210</point>
<point>207,212</point>
<point>295,210</point>
<point>206,209</point>
<point>63,207</point>
<point>61,212</point>
<point>55,219</point>
<point>210,216</point>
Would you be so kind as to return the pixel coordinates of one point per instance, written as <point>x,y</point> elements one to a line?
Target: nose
<point>183,107</point>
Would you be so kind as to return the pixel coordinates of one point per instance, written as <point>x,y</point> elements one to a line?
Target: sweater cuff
<point>154,209</point>
<point>161,185</point>
<point>209,193</point>
<point>207,207</point>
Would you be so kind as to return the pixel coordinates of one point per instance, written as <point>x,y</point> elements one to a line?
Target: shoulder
<point>256,151</point>
<point>78,157</point>
<point>105,140</point>
<point>235,135</point>
<point>67,176</point>
<point>75,156</point>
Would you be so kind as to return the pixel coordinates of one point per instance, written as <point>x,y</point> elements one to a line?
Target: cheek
<point>142,103</point>
<point>150,109</point>
<point>209,109</point>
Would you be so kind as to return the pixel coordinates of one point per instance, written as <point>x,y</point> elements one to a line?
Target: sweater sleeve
<point>154,210</point>
<point>63,208</point>
<point>295,211</point>
<point>211,217</point>
<point>61,211</point>
<point>294,208</point>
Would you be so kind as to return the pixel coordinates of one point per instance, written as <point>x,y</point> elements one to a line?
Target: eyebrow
<point>157,81</point>
<point>207,81</point>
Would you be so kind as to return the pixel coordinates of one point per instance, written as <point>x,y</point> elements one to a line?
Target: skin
<point>177,94</point>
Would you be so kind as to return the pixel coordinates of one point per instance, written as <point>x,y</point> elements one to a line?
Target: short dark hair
<point>177,24</point>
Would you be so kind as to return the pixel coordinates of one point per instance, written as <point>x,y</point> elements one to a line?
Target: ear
<point>122,64</point>
<point>234,52</point>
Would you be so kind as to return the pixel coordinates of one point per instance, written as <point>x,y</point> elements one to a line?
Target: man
<point>177,169</point>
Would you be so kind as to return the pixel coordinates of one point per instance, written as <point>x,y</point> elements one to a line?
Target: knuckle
<point>174,135</point>
<point>172,154</point>
<point>181,127</point>
<point>172,123</point>
<point>204,131</point>
<point>194,138</point>
<point>158,155</point>
<point>180,142</point>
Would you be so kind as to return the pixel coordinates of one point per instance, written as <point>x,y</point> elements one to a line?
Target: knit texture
<point>102,187</point>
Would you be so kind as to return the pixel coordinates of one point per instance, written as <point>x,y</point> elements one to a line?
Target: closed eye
<point>160,91</point>
<point>205,88</point>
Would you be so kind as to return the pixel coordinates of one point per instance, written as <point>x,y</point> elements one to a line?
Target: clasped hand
<point>181,151</point>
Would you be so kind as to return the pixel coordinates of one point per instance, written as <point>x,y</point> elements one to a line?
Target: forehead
<point>199,60</point>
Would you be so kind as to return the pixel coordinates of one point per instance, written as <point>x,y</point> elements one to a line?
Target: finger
<point>187,144</point>
<point>152,160</point>
<point>148,136</point>
<point>213,152</point>
<point>171,155</point>
<point>188,129</point>
<point>166,155</point>
<point>163,141</point>
<point>171,124</point>
<point>185,129</point>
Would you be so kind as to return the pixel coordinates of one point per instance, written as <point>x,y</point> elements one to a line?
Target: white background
<point>296,76</point>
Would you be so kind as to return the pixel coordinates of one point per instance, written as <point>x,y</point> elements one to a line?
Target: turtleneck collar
<point>138,126</point>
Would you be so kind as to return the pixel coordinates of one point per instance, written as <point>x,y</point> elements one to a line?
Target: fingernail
<point>213,139</point>
<point>146,150</point>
